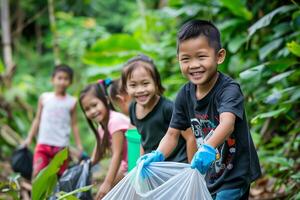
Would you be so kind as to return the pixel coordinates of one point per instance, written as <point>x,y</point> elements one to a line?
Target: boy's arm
<point>75,128</point>
<point>35,124</point>
<point>169,141</point>
<point>191,145</point>
<point>223,130</point>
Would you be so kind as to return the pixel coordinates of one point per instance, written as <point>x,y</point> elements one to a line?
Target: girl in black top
<point>150,112</point>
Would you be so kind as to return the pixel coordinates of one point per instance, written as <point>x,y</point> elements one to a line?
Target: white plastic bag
<point>161,181</point>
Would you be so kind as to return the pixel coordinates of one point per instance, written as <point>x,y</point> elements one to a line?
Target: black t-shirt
<point>237,161</point>
<point>154,126</point>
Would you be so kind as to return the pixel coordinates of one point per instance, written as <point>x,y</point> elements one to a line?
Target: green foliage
<point>44,183</point>
<point>263,50</point>
<point>69,196</point>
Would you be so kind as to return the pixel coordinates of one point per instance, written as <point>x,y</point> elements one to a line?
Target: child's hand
<point>26,143</point>
<point>154,156</point>
<point>203,158</point>
<point>104,189</point>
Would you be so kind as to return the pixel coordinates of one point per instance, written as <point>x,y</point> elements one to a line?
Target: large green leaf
<point>273,113</point>
<point>102,59</point>
<point>282,64</point>
<point>266,20</point>
<point>238,8</point>
<point>116,43</point>
<point>279,77</point>
<point>252,72</point>
<point>45,181</point>
<point>268,48</point>
<point>236,43</point>
<point>111,51</point>
<point>294,48</point>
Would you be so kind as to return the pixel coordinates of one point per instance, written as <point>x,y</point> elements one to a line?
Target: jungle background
<point>95,37</point>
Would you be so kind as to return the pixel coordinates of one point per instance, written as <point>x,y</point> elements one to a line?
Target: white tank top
<point>55,123</point>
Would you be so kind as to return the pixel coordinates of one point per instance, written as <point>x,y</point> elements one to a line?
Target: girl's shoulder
<point>118,121</point>
<point>117,117</point>
<point>166,103</point>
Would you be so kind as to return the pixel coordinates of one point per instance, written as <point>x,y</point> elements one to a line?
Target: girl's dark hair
<point>99,90</point>
<point>115,89</point>
<point>141,60</point>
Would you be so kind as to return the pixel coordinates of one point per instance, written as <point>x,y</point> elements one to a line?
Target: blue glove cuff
<point>159,155</point>
<point>209,148</point>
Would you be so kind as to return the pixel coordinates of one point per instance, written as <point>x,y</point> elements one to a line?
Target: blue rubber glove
<point>203,158</point>
<point>154,156</point>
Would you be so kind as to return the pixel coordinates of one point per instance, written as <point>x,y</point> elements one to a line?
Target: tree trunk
<point>6,40</point>
<point>54,32</point>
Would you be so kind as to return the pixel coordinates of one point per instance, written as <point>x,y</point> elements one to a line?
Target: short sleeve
<point>231,100</point>
<point>118,122</point>
<point>180,118</point>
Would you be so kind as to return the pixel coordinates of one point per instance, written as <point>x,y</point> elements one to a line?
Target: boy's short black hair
<point>63,68</point>
<point>195,28</point>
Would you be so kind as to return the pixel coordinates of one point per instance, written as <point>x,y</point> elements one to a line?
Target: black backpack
<point>22,161</point>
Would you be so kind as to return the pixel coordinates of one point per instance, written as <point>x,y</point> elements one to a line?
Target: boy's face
<point>199,61</point>
<point>61,81</point>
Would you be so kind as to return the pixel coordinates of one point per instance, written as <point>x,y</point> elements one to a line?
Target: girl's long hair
<point>99,90</point>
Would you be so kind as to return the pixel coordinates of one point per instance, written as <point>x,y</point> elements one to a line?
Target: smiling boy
<point>212,104</point>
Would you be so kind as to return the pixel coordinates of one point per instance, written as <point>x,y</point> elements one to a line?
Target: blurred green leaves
<point>45,182</point>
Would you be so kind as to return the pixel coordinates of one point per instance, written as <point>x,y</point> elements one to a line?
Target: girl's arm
<point>142,151</point>
<point>75,128</point>
<point>223,130</point>
<point>35,124</point>
<point>117,148</point>
<point>191,145</point>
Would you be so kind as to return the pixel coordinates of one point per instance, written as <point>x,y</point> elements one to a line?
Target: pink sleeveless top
<point>118,122</point>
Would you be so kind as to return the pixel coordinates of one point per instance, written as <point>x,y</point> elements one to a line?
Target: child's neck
<point>143,110</point>
<point>203,90</point>
<point>60,93</point>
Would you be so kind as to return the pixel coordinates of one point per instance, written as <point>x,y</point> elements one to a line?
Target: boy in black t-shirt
<point>211,103</point>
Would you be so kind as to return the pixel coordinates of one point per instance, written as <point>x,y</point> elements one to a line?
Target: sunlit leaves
<point>294,48</point>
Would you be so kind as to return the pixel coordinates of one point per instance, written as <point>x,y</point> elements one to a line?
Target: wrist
<point>107,182</point>
<point>160,155</point>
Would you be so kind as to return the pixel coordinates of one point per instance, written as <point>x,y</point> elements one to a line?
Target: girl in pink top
<point>109,127</point>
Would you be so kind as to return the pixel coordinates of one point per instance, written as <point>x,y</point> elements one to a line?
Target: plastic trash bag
<point>76,177</point>
<point>21,161</point>
<point>161,181</point>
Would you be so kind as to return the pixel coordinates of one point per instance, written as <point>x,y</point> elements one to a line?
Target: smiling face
<point>199,61</point>
<point>94,108</point>
<point>141,87</point>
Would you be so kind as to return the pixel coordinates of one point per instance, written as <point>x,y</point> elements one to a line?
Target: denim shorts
<point>233,194</point>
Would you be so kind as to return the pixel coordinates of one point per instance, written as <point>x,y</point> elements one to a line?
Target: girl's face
<point>141,87</point>
<point>94,108</point>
